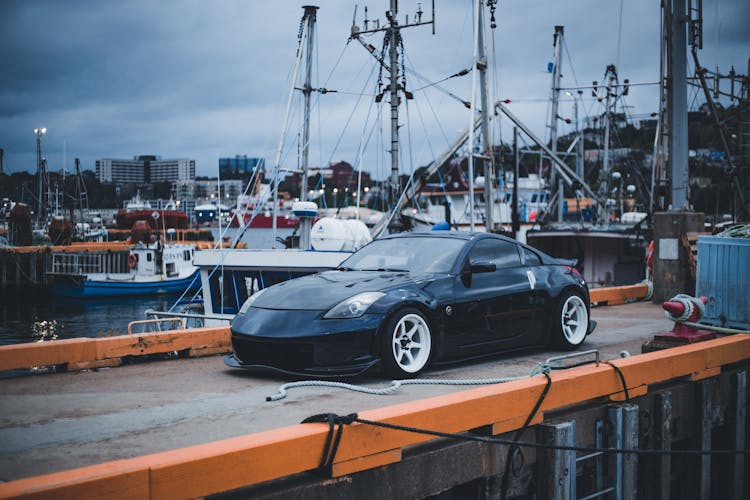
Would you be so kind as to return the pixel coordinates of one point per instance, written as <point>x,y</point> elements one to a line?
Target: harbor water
<point>42,318</point>
<point>36,317</point>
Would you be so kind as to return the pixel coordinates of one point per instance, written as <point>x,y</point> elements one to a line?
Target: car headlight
<point>353,307</point>
<point>250,300</point>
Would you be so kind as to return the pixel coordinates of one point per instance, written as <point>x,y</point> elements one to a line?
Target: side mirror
<point>482,266</point>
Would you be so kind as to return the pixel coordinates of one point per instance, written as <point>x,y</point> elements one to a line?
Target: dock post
<point>705,417</point>
<point>557,468</point>
<point>623,433</point>
<point>739,415</point>
<point>663,425</point>
<point>630,461</point>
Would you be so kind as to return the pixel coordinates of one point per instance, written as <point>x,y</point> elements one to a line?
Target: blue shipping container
<point>723,275</point>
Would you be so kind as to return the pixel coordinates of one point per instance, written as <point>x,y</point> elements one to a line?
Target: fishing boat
<point>149,269</point>
<point>257,211</point>
<point>138,209</point>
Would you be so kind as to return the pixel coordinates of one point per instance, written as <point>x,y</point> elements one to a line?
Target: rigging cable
<point>432,152</point>
<point>348,121</point>
<point>438,121</point>
<point>363,142</point>
<point>253,182</point>
<point>619,35</point>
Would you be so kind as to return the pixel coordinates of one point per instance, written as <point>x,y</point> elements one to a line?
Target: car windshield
<point>416,254</point>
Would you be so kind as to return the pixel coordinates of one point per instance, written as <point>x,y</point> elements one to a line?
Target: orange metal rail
<point>232,463</point>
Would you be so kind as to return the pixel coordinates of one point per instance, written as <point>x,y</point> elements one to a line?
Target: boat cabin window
<point>530,258</point>
<point>186,255</point>
<point>503,254</point>
<point>149,257</point>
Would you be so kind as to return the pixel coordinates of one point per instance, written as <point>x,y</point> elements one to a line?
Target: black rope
<point>332,444</point>
<point>527,444</point>
<point>333,437</point>
<point>517,436</point>
<point>622,379</point>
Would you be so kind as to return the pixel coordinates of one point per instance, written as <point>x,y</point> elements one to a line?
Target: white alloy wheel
<point>411,343</point>
<point>574,320</point>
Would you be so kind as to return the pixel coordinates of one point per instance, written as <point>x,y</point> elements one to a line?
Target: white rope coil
<point>395,385</point>
<point>690,304</point>
<point>649,290</point>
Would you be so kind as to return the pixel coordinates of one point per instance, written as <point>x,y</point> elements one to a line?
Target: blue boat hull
<point>93,289</point>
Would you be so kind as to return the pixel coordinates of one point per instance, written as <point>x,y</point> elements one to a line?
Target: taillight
<point>574,271</point>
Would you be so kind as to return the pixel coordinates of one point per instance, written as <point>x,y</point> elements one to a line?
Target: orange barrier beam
<point>232,463</point>
<point>91,352</point>
<point>617,294</point>
<point>114,246</point>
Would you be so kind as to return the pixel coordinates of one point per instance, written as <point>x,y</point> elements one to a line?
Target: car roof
<point>463,235</point>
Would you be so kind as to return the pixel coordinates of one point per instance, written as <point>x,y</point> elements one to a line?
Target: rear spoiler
<point>567,262</point>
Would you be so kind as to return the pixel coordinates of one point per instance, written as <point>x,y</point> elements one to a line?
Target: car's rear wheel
<point>571,321</point>
<point>406,344</point>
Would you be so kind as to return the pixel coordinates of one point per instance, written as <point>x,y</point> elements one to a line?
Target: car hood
<point>324,290</point>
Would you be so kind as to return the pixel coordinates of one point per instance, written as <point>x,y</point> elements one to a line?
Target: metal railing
<point>157,324</point>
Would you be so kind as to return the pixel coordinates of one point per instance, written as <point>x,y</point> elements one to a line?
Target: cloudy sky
<point>203,80</point>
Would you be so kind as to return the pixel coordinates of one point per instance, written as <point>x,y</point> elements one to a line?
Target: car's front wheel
<point>406,344</point>
<point>571,321</point>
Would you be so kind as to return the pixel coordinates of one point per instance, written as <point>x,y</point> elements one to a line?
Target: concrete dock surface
<point>60,421</point>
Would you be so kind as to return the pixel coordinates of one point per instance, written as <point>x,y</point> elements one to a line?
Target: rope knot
<point>332,443</point>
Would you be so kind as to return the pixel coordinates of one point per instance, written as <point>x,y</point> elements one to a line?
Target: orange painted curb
<point>87,351</point>
<point>617,294</point>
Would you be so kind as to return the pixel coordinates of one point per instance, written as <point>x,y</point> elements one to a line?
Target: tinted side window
<point>501,253</point>
<point>530,258</point>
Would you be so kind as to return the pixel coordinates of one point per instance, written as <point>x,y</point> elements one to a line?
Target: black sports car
<point>408,300</point>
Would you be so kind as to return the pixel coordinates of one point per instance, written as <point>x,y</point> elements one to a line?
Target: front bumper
<point>232,361</point>
<point>301,343</point>
<point>592,326</point>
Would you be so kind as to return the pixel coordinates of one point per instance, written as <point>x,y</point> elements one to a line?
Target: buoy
<point>329,234</point>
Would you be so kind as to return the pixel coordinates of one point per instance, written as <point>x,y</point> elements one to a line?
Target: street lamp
<point>335,194</point>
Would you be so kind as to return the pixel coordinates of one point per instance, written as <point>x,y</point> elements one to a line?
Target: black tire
<point>406,344</point>
<point>570,322</point>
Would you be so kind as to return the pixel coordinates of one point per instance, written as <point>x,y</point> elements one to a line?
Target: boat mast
<point>471,116</point>
<point>488,157</point>
<point>310,18</point>
<point>480,72</point>
<point>276,166</point>
<point>677,114</point>
<point>393,36</point>
<point>557,43</point>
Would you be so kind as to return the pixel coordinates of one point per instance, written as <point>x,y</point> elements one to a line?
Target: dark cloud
<point>203,80</point>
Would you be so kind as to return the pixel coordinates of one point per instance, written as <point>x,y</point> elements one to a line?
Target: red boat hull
<point>266,221</point>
